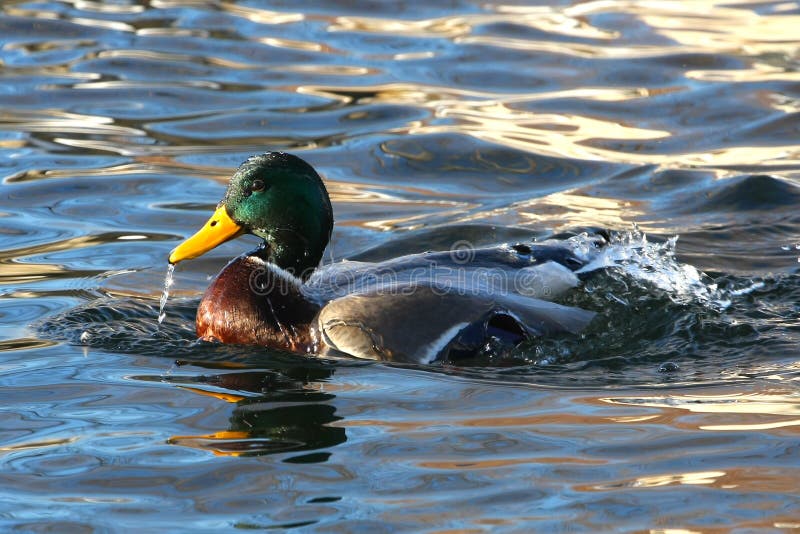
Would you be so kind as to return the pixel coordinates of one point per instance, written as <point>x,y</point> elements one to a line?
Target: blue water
<point>432,124</point>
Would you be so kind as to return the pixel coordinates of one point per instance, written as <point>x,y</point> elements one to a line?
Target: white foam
<point>654,265</point>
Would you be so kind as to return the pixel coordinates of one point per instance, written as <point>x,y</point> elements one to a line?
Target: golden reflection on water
<point>222,443</point>
<point>253,14</point>
<point>716,28</point>
<point>699,27</point>
<point>332,70</point>
<point>450,27</point>
<point>575,49</point>
<point>570,21</point>
<point>768,410</point>
<point>496,120</point>
<point>54,121</point>
<point>582,210</point>
<point>460,28</point>
<point>693,478</point>
<point>221,395</point>
<point>38,444</point>
<point>462,464</point>
<point>43,13</point>
<point>689,26</point>
<point>550,134</point>
<point>109,7</point>
<point>759,71</point>
<point>25,343</point>
<point>173,57</point>
<point>292,44</point>
<point>14,272</point>
<point>366,205</point>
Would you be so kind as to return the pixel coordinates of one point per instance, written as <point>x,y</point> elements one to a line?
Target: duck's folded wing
<point>417,323</point>
<point>541,317</point>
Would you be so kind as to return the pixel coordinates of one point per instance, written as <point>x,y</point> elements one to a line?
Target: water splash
<point>168,281</point>
<point>653,265</point>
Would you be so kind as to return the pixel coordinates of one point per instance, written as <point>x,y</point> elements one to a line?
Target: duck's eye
<point>258,186</point>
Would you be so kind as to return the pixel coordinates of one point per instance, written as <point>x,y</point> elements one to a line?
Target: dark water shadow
<point>274,411</point>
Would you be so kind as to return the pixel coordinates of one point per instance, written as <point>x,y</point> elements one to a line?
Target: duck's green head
<point>281,199</point>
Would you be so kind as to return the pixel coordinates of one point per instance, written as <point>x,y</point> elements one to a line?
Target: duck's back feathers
<point>541,270</point>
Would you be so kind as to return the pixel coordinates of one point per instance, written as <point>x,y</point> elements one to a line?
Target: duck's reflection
<point>284,415</point>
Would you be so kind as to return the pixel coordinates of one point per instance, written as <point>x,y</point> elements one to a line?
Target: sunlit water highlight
<point>433,126</point>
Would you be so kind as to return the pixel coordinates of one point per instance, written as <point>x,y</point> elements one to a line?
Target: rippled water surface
<point>432,123</point>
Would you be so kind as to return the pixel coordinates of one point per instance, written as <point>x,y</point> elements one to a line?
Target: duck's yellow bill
<point>218,229</point>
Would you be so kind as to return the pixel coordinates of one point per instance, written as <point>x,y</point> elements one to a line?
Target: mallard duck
<point>415,308</point>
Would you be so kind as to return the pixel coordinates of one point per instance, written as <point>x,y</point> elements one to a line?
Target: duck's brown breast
<point>251,302</point>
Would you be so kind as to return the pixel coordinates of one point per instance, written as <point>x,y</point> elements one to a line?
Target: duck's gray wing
<point>418,323</point>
